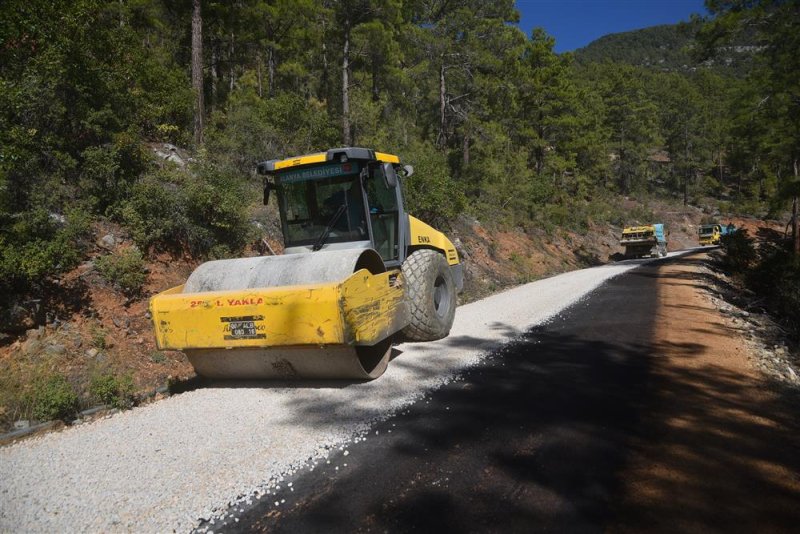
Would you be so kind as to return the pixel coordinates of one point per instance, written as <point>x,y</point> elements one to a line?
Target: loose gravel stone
<point>165,465</point>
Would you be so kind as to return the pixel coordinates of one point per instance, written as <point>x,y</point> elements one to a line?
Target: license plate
<point>243,327</point>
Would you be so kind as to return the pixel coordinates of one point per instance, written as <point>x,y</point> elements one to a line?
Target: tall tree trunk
<point>465,149</point>
<point>231,64</point>
<point>258,72</point>
<point>324,81</point>
<point>197,72</point>
<point>346,137</point>
<point>687,146</point>
<point>271,71</point>
<point>376,95</point>
<point>622,174</point>
<point>442,106</point>
<point>214,74</point>
<point>795,233</point>
<point>686,190</point>
<point>539,150</point>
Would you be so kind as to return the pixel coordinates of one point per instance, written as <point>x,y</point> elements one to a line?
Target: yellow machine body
<point>361,310</point>
<point>710,235</point>
<point>328,308</point>
<point>636,234</point>
<point>646,240</point>
<point>423,235</point>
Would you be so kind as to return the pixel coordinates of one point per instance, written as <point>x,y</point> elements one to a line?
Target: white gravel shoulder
<point>167,465</point>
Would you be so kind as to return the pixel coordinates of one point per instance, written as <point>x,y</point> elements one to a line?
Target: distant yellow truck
<point>640,241</point>
<point>711,234</point>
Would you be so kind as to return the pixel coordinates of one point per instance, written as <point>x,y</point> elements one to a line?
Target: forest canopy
<point>496,122</point>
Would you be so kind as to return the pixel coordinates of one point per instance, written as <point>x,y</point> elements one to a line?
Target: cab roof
<point>334,154</point>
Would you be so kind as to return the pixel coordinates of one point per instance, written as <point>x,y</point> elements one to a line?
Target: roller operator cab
<point>356,269</point>
<point>350,198</point>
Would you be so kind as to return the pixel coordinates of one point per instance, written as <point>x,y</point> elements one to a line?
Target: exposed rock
<point>91,353</point>
<point>56,349</point>
<point>107,241</point>
<point>171,153</point>
<point>121,323</point>
<point>21,316</point>
<point>174,158</point>
<point>31,346</point>
<point>35,333</point>
<point>22,424</point>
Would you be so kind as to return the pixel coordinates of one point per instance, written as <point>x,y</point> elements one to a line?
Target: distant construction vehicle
<point>641,241</point>
<point>711,234</point>
<point>357,269</point>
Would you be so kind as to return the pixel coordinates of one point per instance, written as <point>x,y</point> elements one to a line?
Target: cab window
<point>383,213</point>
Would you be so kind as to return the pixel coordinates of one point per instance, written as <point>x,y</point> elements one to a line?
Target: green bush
<point>251,128</point>
<point>740,253</point>
<point>431,193</point>
<point>108,171</point>
<point>53,398</point>
<point>776,276</point>
<point>38,244</point>
<point>155,213</point>
<point>125,269</point>
<point>98,337</point>
<point>173,210</point>
<point>115,391</point>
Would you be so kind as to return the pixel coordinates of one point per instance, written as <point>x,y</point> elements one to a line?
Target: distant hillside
<point>666,48</point>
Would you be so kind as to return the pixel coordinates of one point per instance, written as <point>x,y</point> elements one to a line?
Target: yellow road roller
<point>356,270</point>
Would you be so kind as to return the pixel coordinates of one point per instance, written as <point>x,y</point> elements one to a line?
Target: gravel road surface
<point>178,463</point>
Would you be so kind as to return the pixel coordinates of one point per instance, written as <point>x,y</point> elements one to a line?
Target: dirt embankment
<point>719,450</point>
<point>497,258</point>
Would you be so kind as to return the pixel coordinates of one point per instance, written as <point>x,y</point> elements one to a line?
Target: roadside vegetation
<point>499,127</point>
<point>769,268</point>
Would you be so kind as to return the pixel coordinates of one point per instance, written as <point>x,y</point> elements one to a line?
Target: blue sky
<point>576,23</point>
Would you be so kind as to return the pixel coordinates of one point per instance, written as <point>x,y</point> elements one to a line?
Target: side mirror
<point>389,175</point>
<point>263,168</point>
<point>409,171</point>
<point>268,186</point>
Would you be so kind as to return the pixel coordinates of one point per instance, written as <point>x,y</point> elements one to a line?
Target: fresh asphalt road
<point>531,439</point>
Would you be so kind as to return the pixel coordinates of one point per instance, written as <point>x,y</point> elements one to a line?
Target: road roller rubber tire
<point>431,294</point>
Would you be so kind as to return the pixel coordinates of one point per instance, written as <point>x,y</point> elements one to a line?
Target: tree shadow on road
<point>533,438</point>
<point>541,434</point>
